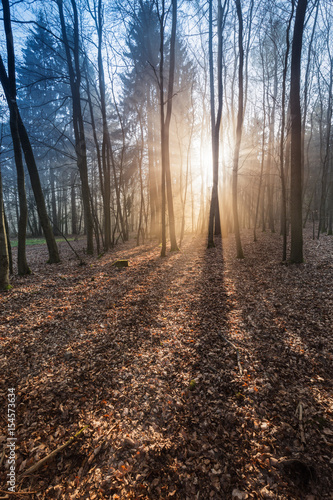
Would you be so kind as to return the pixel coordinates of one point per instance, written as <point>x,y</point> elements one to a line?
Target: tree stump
<point>120,263</point>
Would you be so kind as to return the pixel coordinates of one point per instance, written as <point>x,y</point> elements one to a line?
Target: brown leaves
<point>149,357</point>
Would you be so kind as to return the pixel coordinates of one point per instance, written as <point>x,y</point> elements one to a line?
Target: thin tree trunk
<point>165,130</point>
<point>106,139</point>
<point>271,144</point>
<point>153,191</point>
<point>78,124</point>
<point>214,212</point>
<point>182,231</point>
<point>163,144</point>
<point>283,123</point>
<point>262,154</point>
<point>172,228</point>
<point>32,167</point>
<point>324,178</point>
<point>4,259</point>
<point>239,128</point>
<point>22,264</point>
<point>38,193</point>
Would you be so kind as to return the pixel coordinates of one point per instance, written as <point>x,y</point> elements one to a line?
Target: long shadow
<point>214,428</point>
<point>99,360</point>
<point>170,324</point>
<point>193,433</point>
<point>281,369</point>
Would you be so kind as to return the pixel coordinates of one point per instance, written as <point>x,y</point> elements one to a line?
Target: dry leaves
<point>188,370</point>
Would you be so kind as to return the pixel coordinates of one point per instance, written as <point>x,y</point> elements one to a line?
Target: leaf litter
<point>199,376</point>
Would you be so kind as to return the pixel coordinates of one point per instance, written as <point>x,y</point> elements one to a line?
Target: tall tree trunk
<point>106,139</point>
<point>153,189</point>
<point>271,147</point>
<point>188,160</point>
<point>22,264</point>
<point>283,123</point>
<point>165,129</point>
<point>78,124</point>
<point>215,122</point>
<point>296,252</point>
<point>73,205</point>
<point>20,135</point>
<point>107,151</point>
<point>172,228</point>
<point>163,144</point>
<point>326,160</point>
<point>142,202</point>
<point>307,85</point>
<point>239,129</point>
<point>262,162</point>
<point>38,193</point>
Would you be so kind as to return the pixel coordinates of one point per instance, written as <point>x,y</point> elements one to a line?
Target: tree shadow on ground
<point>138,340</point>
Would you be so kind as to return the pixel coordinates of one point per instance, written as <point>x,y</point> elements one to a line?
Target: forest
<point>166,244</point>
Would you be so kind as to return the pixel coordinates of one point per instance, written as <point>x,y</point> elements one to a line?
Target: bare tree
<point>239,129</point>
<point>165,125</point>
<point>74,72</point>
<point>214,213</point>
<point>22,264</point>
<point>296,252</point>
<point>18,128</point>
<point>282,140</point>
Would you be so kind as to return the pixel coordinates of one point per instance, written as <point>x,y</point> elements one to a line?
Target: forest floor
<point>199,376</point>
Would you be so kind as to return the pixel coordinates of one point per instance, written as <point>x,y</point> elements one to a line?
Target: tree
<point>107,155</point>
<point>282,135</point>
<point>296,251</point>
<point>22,264</point>
<point>140,88</point>
<point>239,129</point>
<point>10,93</point>
<point>74,73</point>
<point>214,213</point>
<point>165,127</point>
<point>44,107</point>
<point>4,258</point>
<point>326,137</point>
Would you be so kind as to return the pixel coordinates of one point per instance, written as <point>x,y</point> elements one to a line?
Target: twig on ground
<point>299,410</point>
<point>237,352</point>
<point>17,493</point>
<point>2,456</point>
<point>96,451</point>
<point>44,460</point>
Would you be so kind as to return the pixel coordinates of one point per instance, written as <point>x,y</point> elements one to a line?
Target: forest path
<point>188,370</point>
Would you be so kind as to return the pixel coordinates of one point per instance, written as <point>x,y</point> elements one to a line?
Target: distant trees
<point>139,120</point>
<point>141,96</point>
<point>161,69</point>
<point>45,107</point>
